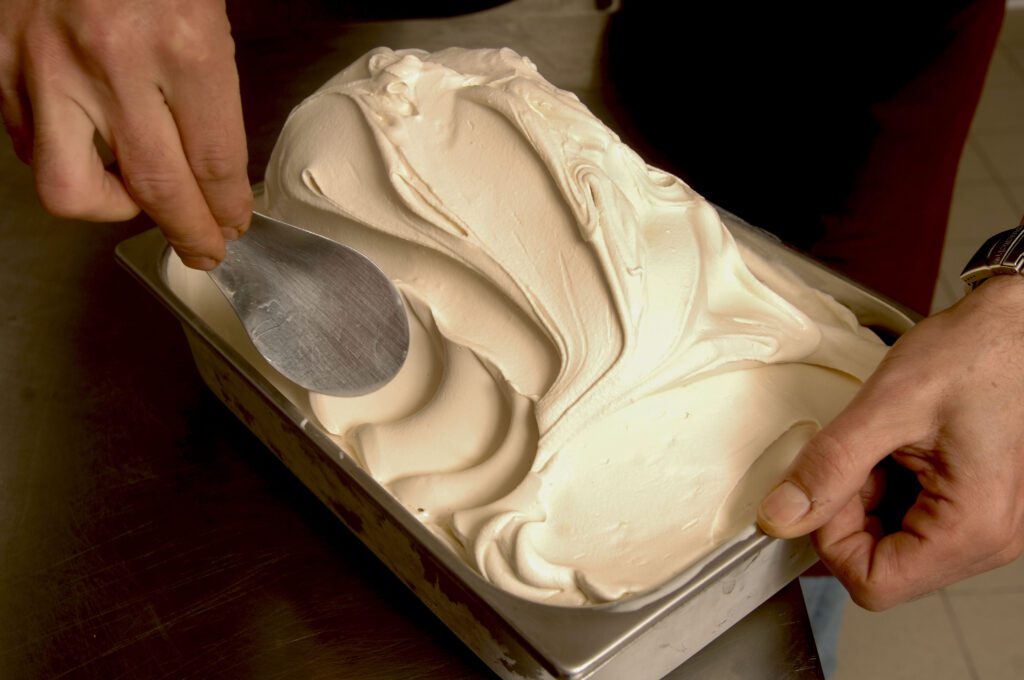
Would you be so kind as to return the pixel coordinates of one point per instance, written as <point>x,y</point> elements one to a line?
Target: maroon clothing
<point>839,128</point>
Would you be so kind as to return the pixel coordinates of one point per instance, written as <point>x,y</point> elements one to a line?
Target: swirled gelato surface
<point>601,386</point>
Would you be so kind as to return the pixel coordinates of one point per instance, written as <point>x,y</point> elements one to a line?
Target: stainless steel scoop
<point>322,314</point>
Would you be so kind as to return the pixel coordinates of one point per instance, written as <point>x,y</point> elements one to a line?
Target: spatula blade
<point>321,313</point>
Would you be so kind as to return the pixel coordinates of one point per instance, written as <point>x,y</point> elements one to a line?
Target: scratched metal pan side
<point>557,641</point>
<point>365,507</point>
<point>564,642</point>
<point>507,632</point>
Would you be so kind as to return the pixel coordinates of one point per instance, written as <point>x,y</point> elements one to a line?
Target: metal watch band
<point>1001,254</point>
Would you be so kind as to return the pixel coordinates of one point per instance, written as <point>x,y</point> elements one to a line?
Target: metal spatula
<point>321,313</point>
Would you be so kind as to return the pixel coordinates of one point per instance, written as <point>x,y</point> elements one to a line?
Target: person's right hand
<point>157,82</point>
<point>947,405</point>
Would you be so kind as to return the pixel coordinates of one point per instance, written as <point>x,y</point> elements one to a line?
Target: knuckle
<point>868,597</point>
<point>151,186</point>
<point>194,35</point>
<point>60,195</point>
<point>234,211</point>
<point>222,176</point>
<point>903,383</point>
<point>103,40</point>
<point>877,592</point>
<point>868,590</point>
<point>190,240</point>
<point>182,33</point>
<point>217,165</point>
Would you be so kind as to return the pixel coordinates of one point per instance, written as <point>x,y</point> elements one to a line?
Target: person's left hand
<point>947,403</point>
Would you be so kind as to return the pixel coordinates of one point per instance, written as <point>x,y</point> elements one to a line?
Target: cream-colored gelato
<point>601,386</point>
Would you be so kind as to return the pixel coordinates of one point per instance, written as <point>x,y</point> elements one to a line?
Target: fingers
<point>159,178</point>
<point>945,530</point>
<point>213,137</point>
<point>155,175</point>
<point>834,466</point>
<point>954,480</point>
<point>878,570</point>
<point>70,177</point>
<point>940,543</point>
<point>89,69</point>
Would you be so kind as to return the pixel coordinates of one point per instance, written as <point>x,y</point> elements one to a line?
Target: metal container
<point>515,637</point>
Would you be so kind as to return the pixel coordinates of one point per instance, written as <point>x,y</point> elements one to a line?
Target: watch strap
<point>1000,254</point>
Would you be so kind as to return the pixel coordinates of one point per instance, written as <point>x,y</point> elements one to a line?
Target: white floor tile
<point>1014,58</point>
<point>909,642</point>
<point>972,168</point>
<point>1017,192</point>
<point>1013,28</point>
<point>992,627</point>
<point>1004,152</point>
<point>1003,72</point>
<point>955,257</point>
<point>1001,109</point>
<point>978,211</point>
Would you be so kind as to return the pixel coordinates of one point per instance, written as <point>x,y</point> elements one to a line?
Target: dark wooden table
<point>144,532</point>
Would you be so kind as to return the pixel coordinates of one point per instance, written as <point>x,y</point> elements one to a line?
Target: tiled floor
<point>975,629</point>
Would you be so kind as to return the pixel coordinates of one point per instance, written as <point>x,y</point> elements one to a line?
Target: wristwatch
<point>1001,254</point>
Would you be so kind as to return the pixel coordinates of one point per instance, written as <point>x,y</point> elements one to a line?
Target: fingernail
<point>230,233</point>
<point>785,505</point>
<point>203,263</point>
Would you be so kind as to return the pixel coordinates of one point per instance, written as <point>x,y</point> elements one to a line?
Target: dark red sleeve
<point>838,127</point>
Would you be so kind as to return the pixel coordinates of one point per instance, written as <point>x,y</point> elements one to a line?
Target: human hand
<point>157,82</point>
<point>948,403</point>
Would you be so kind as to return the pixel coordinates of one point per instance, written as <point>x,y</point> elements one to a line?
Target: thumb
<point>832,467</point>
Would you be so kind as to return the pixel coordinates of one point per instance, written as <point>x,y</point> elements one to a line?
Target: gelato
<point>601,384</point>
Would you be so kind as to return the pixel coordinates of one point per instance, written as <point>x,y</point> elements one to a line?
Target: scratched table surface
<point>144,532</point>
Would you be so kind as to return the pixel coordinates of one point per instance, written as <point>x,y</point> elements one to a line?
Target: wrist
<point>1000,300</point>
<point>1005,293</point>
